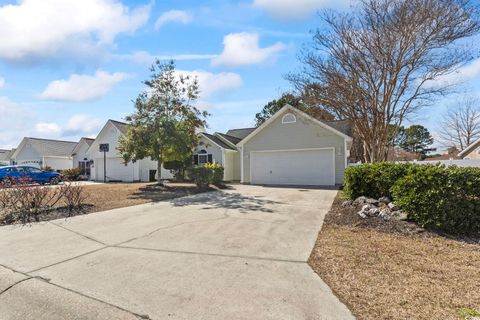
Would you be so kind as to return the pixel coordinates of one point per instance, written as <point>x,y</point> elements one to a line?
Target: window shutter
<point>210,158</point>
<point>195,159</point>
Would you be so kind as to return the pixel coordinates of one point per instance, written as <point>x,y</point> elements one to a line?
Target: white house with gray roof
<point>37,152</point>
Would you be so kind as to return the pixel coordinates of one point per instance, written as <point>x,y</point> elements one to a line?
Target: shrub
<point>374,179</point>
<point>217,173</point>
<point>201,175</point>
<point>434,196</point>
<point>204,175</point>
<point>72,174</point>
<point>73,195</point>
<point>444,198</point>
<point>47,168</point>
<point>178,168</point>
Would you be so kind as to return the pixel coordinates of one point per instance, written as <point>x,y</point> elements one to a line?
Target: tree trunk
<point>159,171</point>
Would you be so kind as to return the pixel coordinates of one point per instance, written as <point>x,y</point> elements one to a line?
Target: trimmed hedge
<point>204,175</point>
<point>434,196</point>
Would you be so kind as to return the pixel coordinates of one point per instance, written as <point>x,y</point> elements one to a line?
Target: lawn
<point>118,195</point>
<point>396,270</point>
<point>99,197</point>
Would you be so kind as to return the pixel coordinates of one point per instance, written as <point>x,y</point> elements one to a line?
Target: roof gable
<point>47,147</point>
<point>121,128</point>
<point>288,107</point>
<point>217,141</point>
<point>465,152</point>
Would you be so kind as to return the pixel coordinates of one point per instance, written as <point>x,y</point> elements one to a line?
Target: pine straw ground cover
<point>395,270</point>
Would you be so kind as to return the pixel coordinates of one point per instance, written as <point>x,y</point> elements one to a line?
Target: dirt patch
<point>394,269</point>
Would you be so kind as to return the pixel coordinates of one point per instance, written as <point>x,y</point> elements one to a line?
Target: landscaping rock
<point>385,214</point>
<point>347,203</point>
<point>385,200</point>
<point>393,207</point>
<point>372,201</point>
<point>362,214</point>
<point>400,215</point>
<point>360,200</point>
<point>373,212</point>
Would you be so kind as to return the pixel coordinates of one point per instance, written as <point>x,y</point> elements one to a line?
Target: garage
<point>116,170</point>
<point>293,167</point>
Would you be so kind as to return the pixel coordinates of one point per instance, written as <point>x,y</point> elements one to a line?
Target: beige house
<point>471,152</point>
<point>291,148</point>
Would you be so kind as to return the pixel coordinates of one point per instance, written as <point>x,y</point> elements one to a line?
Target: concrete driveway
<point>236,254</point>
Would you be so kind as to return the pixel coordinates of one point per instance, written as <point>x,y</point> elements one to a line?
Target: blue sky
<point>66,66</point>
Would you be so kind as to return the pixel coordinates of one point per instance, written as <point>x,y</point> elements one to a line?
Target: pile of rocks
<point>383,208</point>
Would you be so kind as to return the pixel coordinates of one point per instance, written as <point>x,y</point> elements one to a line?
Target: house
<point>451,154</point>
<point>5,156</point>
<point>80,159</point>
<point>290,148</point>
<point>110,165</point>
<point>472,151</point>
<point>38,152</point>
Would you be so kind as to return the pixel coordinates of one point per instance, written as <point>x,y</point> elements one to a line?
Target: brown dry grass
<point>383,274</point>
<point>118,195</point>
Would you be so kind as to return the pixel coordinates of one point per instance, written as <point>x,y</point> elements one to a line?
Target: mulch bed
<point>395,269</point>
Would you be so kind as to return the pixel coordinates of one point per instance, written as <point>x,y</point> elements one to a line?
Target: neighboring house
<point>471,152</point>
<point>116,169</point>
<point>38,152</point>
<point>80,159</point>
<point>451,154</point>
<point>399,154</point>
<point>5,157</point>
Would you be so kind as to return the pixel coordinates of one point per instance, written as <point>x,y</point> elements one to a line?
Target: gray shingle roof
<point>232,139</point>
<point>343,126</point>
<point>240,133</point>
<point>5,154</point>
<point>89,141</point>
<point>55,148</point>
<point>122,126</point>
<point>217,141</point>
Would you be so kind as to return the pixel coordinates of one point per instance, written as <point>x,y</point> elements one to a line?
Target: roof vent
<point>289,118</point>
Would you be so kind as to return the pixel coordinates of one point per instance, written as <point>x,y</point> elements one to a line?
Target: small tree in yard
<point>377,65</point>
<point>165,122</point>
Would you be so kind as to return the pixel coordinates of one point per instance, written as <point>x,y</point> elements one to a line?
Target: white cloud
<point>16,122</point>
<point>462,75</point>
<point>178,16</point>
<point>299,9</point>
<point>243,49</point>
<point>82,124</point>
<point>212,83</point>
<point>144,57</point>
<point>80,88</point>
<point>39,29</point>
<point>47,129</point>
<point>2,82</point>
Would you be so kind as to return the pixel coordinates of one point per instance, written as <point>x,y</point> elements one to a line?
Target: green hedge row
<point>204,175</point>
<point>445,198</point>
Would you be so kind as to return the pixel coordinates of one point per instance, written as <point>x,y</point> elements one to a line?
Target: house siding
<point>474,154</point>
<point>212,149</point>
<point>303,134</point>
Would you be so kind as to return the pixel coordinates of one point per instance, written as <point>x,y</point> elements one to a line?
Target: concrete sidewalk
<point>237,254</point>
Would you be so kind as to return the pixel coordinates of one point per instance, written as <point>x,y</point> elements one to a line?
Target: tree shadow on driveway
<point>219,200</point>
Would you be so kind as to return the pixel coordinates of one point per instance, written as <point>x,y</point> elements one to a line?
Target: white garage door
<point>116,170</point>
<point>303,167</point>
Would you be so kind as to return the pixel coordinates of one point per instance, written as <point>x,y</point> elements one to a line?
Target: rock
<point>385,200</point>
<point>347,203</point>
<point>372,201</point>
<point>400,215</point>
<point>392,206</point>
<point>362,214</point>
<point>373,212</point>
<point>385,214</point>
<point>360,200</point>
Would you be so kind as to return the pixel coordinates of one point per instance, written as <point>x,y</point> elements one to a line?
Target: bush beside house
<point>204,175</point>
<point>435,196</point>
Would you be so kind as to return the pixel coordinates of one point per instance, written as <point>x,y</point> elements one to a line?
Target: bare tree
<point>461,124</point>
<point>377,65</point>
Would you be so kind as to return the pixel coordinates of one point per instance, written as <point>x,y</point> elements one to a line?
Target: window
<point>202,157</point>
<point>32,170</point>
<point>289,118</point>
<point>84,167</point>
